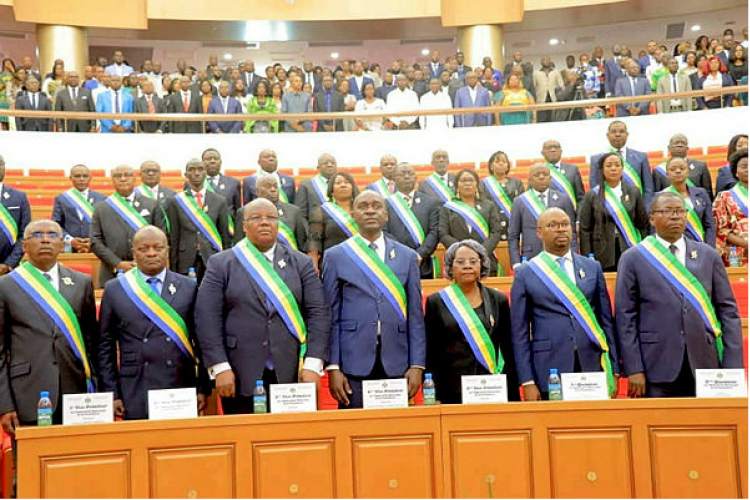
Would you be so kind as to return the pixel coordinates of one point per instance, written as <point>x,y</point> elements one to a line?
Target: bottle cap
<point>553,371</point>
<point>258,382</point>
<point>44,394</point>
<point>191,269</point>
<point>428,375</point>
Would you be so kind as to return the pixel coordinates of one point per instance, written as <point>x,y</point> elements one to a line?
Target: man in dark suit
<point>223,104</point>
<point>617,136</point>
<point>449,84</point>
<point>150,187</point>
<point>663,337</point>
<point>192,243</point>
<point>516,61</point>
<point>312,193</point>
<point>269,165</point>
<point>370,338</point>
<point>150,358</point>
<point>440,162</point>
<point>230,299</point>
<point>329,100</point>
<point>73,209</point>
<point>633,84</point>
<point>73,97</point>
<point>435,67</point>
<point>358,80</point>
<point>33,100</point>
<point>612,70</point>
<point>310,77</point>
<point>698,172</point>
<point>249,77</point>
<point>185,101</point>
<point>382,91</point>
<point>16,204</point>
<point>35,354</point>
<point>150,104</point>
<point>426,213</point>
<point>552,153</point>
<point>523,224</point>
<point>228,187</point>
<point>116,220</point>
<point>558,340</point>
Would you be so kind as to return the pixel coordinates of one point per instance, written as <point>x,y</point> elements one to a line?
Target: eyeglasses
<point>80,176</point>
<point>471,262</point>
<point>41,234</point>
<point>125,175</point>
<point>677,212</point>
<point>257,219</point>
<point>556,226</point>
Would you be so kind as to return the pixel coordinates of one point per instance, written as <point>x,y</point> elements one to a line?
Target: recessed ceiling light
<point>334,55</point>
<point>554,41</point>
<point>695,27</point>
<point>228,56</point>
<point>425,52</point>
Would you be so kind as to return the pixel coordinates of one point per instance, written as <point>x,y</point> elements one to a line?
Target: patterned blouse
<point>729,220</point>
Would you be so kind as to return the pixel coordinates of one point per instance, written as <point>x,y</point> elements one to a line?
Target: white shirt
<point>473,94</point>
<point>380,246</point>
<point>680,244</point>
<point>85,194</point>
<point>568,265</point>
<point>54,274</point>
<point>617,190</point>
<point>545,201</point>
<point>440,100</point>
<point>399,101</point>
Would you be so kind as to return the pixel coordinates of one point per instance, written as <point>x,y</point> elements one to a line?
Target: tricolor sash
<point>694,224</point>
<point>126,211</point>
<point>341,217</point>
<point>440,187</point>
<point>617,211</point>
<point>156,309</point>
<point>286,236</point>
<point>499,195</point>
<point>381,188</point>
<point>472,217</point>
<point>686,283</point>
<point>562,184</point>
<point>407,217</point>
<point>8,225</point>
<point>472,328</point>
<point>80,203</point>
<point>629,173</point>
<point>146,191</point>
<point>375,269</point>
<point>230,221</point>
<point>739,193</point>
<point>200,219</point>
<point>320,185</point>
<point>533,203</point>
<point>662,169</point>
<point>265,276</point>
<point>568,293</point>
<point>52,302</point>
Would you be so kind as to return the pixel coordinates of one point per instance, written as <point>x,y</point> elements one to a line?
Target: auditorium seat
<point>239,174</point>
<point>655,155</point>
<point>693,152</point>
<point>34,172</point>
<point>740,294</point>
<point>717,150</point>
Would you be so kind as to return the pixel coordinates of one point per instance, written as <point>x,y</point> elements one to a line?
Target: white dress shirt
<point>680,244</point>
<point>568,266</point>
<point>473,93</point>
<point>54,275</point>
<point>400,101</point>
<point>439,100</point>
<point>617,190</point>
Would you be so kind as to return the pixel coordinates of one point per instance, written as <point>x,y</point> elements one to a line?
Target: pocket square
<point>145,212</point>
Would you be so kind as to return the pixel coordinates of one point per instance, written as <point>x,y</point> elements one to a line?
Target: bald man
<point>269,165</point>
<point>313,192</point>
<point>698,174</point>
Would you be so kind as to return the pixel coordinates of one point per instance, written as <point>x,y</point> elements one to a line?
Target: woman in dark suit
<point>449,353</point>
<point>499,166</point>
<point>600,234</point>
<point>454,226</point>
<point>695,198</point>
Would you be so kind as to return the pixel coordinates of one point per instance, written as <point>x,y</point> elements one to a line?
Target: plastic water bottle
<point>191,274</point>
<point>260,401</point>
<point>554,386</point>
<point>428,389</point>
<point>524,259</point>
<point>591,256</point>
<point>734,257</point>
<point>44,410</point>
<point>120,273</point>
<point>68,246</point>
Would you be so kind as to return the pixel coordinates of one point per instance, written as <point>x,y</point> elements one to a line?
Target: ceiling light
<point>554,41</point>
<point>695,27</point>
<point>334,55</point>
<point>425,52</point>
<point>227,56</point>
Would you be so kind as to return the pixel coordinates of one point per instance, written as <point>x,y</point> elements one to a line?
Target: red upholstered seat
<point>35,172</point>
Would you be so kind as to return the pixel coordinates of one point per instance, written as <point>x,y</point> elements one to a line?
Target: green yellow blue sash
<point>617,211</point>
<point>568,293</point>
<point>265,276</point>
<point>57,308</point>
<point>662,169</point>
<point>472,328</point>
<point>499,195</point>
<point>694,224</point>
<point>410,221</point>
<point>381,188</point>
<point>80,203</point>
<point>286,236</point>
<point>320,185</point>
<point>126,211</point>
<point>472,217</point>
<point>629,173</point>
<point>146,191</point>
<point>533,203</point>
<point>440,187</point>
<point>686,283</point>
<point>157,310</point>
<point>341,217</point>
<point>230,221</point>
<point>739,193</point>
<point>562,184</point>
<point>200,219</point>
<point>376,270</point>
<point>8,225</point>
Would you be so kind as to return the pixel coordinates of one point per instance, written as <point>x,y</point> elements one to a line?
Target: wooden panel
<point>99,475</point>
<point>99,13</point>
<point>197,472</point>
<point>695,463</point>
<point>491,465</point>
<point>393,467</point>
<point>294,470</point>
<point>591,464</point>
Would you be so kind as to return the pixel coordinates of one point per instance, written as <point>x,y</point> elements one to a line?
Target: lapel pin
<point>172,289</point>
<point>6,195</point>
<point>694,254</point>
<point>692,166</point>
<point>281,213</point>
<point>145,212</point>
<point>283,180</point>
<point>502,223</point>
<point>479,207</point>
<point>392,255</point>
<point>205,208</point>
<point>417,200</point>
<point>91,200</point>
<point>554,196</point>
<point>161,195</point>
<point>221,186</point>
<point>626,197</point>
<point>67,281</point>
<point>136,203</point>
<point>562,171</point>
<point>581,273</point>
<point>282,263</point>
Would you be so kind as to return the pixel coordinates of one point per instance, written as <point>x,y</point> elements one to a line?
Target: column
<point>480,41</point>
<point>69,43</point>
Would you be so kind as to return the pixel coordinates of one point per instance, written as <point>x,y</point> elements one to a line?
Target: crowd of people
<point>363,88</point>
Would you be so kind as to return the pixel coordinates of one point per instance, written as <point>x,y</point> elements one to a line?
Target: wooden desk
<point>681,448</point>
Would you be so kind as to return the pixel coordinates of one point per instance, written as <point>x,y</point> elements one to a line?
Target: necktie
<point>117,102</point>
<point>199,199</point>
<point>33,100</point>
<point>407,199</point>
<point>391,186</point>
<point>632,86</point>
<point>543,199</point>
<point>73,92</point>
<point>224,105</point>
<point>328,101</point>
<point>151,108</point>
<point>374,248</point>
<point>154,284</point>
<point>215,182</point>
<point>674,84</point>
<point>47,276</point>
<point>185,104</point>
<point>561,262</point>
<point>673,249</point>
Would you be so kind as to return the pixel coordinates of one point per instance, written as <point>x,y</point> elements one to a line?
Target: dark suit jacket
<point>306,198</point>
<point>434,72</point>
<point>229,188</point>
<point>141,106</point>
<point>463,100</point>
<point>289,215</point>
<point>523,226</point>
<point>337,106</point>
<point>513,187</point>
<point>149,358</point>
<point>383,90</point>
<point>655,324</point>
<point>165,194</point>
<point>571,173</point>
<point>612,72</point>
<point>724,179</point>
<point>420,87</point>
<point>453,228</point>
<point>66,214</point>
<point>449,355</point>
<point>185,239</point>
<point>34,354</point>
<point>358,307</point>
<point>83,103</point>
<point>622,89</point>
<point>229,301</point>
<point>251,81</point>
<point>248,187</point>
<point>173,104</point>
<point>17,204</point>
<point>598,228</point>
<point>639,162</point>
<point>23,102</point>
<point>426,188</point>
<point>233,107</point>
<point>112,238</point>
<point>427,211</point>
<point>697,172</point>
<point>357,91</point>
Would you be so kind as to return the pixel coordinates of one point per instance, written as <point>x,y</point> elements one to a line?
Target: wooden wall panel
<point>393,467</point>
<point>193,472</point>
<point>97,475</point>
<point>294,470</point>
